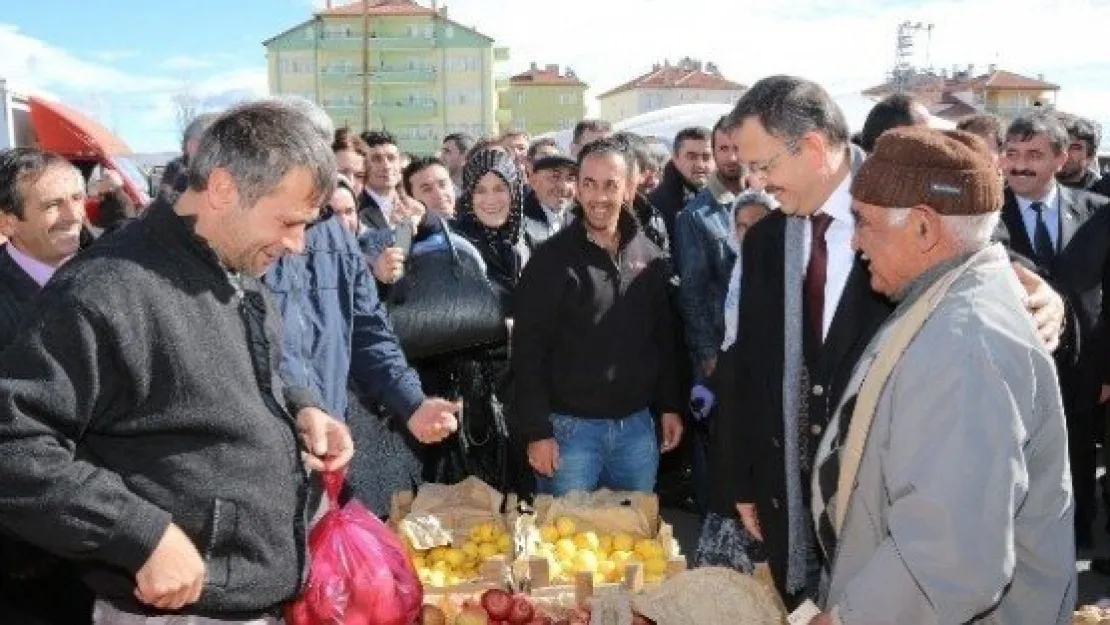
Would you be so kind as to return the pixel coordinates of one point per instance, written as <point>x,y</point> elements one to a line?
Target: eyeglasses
<point>765,166</point>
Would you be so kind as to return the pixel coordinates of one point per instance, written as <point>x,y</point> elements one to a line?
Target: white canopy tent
<point>666,123</point>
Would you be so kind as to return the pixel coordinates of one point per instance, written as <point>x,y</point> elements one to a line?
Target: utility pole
<point>903,53</point>
<point>366,64</point>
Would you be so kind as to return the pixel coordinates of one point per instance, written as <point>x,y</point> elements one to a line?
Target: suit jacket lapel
<point>850,322</point>
<point>1070,216</point>
<point>1015,228</point>
<point>372,213</point>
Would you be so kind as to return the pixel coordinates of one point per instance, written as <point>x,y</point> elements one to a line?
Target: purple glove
<point>702,401</point>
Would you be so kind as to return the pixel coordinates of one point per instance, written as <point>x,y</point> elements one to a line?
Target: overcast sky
<point>128,75</point>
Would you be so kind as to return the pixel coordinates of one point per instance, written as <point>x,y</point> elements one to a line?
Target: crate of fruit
<point>457,535</point>
<point>615,538</point>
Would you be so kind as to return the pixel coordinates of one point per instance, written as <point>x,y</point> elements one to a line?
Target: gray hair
<point>317,115</point>
<point>971,232</point>
<point>757,198</point>
<point>259,144</point>
<point>196,128</point>
<point>1027,126</point>
<point>788,107</point>
<point>658,154</point>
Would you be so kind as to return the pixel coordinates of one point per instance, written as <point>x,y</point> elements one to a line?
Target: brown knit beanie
<point>949,171</point>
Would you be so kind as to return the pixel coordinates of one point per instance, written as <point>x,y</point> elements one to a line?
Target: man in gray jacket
<point>941,492</point>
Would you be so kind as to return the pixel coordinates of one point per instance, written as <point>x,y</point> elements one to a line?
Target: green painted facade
<point>422,78</point>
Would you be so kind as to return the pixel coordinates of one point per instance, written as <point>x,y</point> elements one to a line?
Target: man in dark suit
<point>805,317</point>
<point>1064,232</point>
<point>383,175</point>
<point>42,208</point>
<point>547,210</point>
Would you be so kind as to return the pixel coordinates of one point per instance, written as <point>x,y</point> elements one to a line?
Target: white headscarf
<point>732,298</point>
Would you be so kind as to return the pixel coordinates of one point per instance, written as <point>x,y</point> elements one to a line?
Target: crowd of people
<point>876,361</point>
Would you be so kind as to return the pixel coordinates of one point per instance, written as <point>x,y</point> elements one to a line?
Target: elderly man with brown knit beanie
<point>941,491</point>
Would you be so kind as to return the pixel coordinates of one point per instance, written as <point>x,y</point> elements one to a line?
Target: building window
<point>428,31</point>
<point>566,98</point>
<point>520,98</point>
<point>449,32</point>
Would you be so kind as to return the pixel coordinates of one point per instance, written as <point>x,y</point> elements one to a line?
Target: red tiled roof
<point>1002,79</point>
<point>998,79</point>
<point>378,7</point>
<point>677,77</point>
<point>543,77</point>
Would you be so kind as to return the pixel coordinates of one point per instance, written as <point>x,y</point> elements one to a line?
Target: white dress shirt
<point>555,221</point>
<point>385,203</point>
<point>838,242</point>
<point>1051,212</point>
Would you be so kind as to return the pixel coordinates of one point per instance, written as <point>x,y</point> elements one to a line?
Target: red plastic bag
<point>359,573</point>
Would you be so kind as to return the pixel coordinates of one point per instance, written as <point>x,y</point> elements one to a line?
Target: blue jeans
<point>619,454</point>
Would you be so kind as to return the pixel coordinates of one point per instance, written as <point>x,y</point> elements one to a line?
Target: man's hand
<point>173,575</point>
<point>543,455</point>
<point>708,366</point>
<point>671,424</point>
<point>821,619</point>
<point>750,519</point>
<point>1045,305</point>
<point>1105,396</point>
<point>434,420</point>
<point>407,208</point>
<point>390,265</point>
<point>327,441</point>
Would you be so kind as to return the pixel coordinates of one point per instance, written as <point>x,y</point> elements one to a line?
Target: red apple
<point>522,610</point>
<point>431,615</point>
<point>540,619</point>
<point>472,616</point>
<point>497,603</point>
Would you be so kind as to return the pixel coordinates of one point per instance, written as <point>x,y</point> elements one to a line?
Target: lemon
<point>437,579</point>
<point>655,566</point>
<point>653,579</point>
<point>454,557</point>
<point>505,544</point>
<point>648,549</point>
<point>565,549</point>
<point>470,550</point>
<point>442,565</point>
<point>566,527</point>
<point>620,558</point>
<point>622,542</point>
<point>605,544</point>
<point>487,550</point>
<point>549,533</point>
<point>489,532</point>
<point>585,561</point>
<point>555,569</point>
<point>609,571</point>
<point>418,562</point>
<point>587,540</point>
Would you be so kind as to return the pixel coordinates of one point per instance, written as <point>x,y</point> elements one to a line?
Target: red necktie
<point>815,275</point>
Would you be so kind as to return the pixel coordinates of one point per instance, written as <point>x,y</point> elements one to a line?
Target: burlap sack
<point>711,595</point>
<point>441,513</point>
<point>603,511</point>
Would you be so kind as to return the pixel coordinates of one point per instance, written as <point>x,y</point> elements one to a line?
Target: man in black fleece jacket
<point>144,430</point>
<point>594,346</point>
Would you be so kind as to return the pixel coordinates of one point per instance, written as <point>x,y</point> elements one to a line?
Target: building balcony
<point>383,42</point>
<point>1011,111</point>
<point>405,76</point>
<point>406,110</point>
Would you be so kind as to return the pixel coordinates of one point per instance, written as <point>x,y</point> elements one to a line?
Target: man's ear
<point>927,224</point>
<point>8,223</point>
<point>221,192</point>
